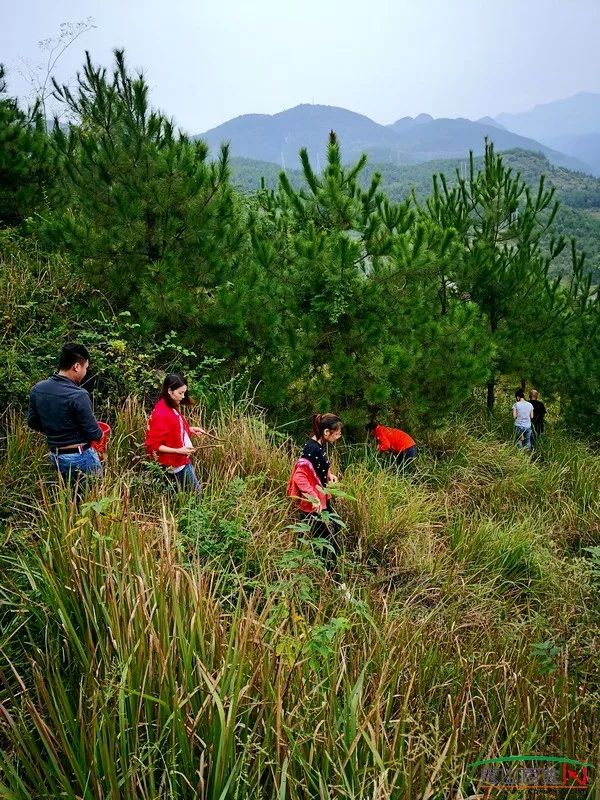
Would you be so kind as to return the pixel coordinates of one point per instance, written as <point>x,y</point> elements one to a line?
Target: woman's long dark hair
<point>323,422</point>
<point>172,382</point>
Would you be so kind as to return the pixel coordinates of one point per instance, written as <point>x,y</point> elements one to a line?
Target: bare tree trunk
<point>491,397</point>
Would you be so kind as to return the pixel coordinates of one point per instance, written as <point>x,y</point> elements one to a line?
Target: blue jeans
<point>407,456</point>
<point>74,466</point>
<point>401,460</point>
<point>523,435</point>
<point>186,479</point>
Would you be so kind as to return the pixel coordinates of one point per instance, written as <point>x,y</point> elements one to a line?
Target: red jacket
<point>166,426</point>
<point>392,439</point>
<point>304,480</point>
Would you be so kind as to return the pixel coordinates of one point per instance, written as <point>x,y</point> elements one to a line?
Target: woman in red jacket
<point>168,437</point>
<point>309,479</point>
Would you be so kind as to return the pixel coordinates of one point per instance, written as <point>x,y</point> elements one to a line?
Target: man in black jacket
<point>62,409</point>
<point>539,412</point>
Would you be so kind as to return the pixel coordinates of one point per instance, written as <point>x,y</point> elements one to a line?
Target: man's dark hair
<point>520,394</point>
<point>72,354</point>
<point>371,425</point>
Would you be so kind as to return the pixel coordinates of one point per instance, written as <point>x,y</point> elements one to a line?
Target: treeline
<point>330,297</point>
<point>578,194</point>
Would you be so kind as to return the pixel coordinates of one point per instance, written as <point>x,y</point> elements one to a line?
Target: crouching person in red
<point>309,479</point>
<point>168,437</point>
<point>399,446</point>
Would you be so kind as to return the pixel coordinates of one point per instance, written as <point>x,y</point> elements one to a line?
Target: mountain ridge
<point>278,137</point>
<point>571,125</point>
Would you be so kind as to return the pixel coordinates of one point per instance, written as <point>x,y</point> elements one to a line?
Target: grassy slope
<point>158,650</point>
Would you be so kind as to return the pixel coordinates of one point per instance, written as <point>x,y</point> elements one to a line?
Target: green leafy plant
<point>546,655</point>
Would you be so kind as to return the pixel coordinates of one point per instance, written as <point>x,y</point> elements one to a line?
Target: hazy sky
<point>208,61</point>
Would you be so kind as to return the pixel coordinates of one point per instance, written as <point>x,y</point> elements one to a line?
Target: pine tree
<point>24,163</point>
<point>141,208</point>
<point>501,264</point>
<point>580,387</point>
<point>359,300</point>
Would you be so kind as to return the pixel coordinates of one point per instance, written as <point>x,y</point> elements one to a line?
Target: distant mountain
<point>405,123</point>
<point>491,121</point>
<point>278,138</point>
<point>585,146</point>
<point>453,138</point>
<point>571,125</point>
<point>569,117</point>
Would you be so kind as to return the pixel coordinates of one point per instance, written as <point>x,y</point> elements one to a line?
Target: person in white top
<point>522,412</point>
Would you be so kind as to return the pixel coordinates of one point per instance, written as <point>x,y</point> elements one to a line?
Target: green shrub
<point>210,532</point>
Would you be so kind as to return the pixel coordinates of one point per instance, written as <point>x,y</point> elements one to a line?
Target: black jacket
<point>313,451</point>
<point>539,412</point>
<point>62,410</point>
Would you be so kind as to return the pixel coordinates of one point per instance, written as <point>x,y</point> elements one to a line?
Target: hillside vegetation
<point>335,294</point>
<point>197,649</point>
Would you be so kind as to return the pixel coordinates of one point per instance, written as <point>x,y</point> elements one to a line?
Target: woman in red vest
<point>168,437</point>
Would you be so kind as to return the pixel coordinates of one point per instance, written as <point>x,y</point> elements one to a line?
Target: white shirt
<point>186,442</point>
<point>524,413</point>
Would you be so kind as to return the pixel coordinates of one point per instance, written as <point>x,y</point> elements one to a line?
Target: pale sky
<point>207,62</point>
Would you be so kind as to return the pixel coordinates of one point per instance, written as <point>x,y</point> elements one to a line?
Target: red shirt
<point>392,439</point>
<point>167,426</point>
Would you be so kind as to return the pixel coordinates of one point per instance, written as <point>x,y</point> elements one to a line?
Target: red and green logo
<point>531,772</point>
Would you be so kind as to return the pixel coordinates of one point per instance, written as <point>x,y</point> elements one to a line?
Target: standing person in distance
<point>539,412</point>
<point>168,436</point>
<point>310,477</point>
<point>62,409</point>
<point>522,412</point>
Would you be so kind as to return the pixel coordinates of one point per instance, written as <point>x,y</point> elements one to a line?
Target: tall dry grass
<point>158,647</point>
